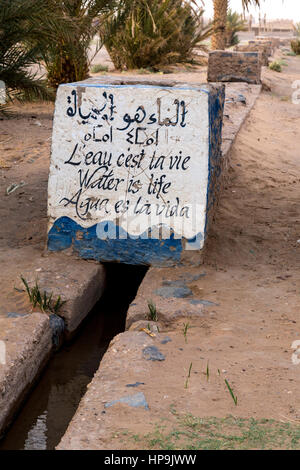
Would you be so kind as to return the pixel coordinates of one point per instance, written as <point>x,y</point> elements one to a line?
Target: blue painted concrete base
<point>66,233</point>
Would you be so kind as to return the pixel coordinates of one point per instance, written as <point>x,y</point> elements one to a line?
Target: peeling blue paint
<point>131,250</point>
<point>215,109</point>
<point>138,400</point>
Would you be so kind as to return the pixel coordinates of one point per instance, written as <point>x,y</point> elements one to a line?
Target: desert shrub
<point>283,62</point>
<point>96,68</point>
<point>235,23</point>
<point>150,33</point>
<point>276,66</point>
<point>295,45</point>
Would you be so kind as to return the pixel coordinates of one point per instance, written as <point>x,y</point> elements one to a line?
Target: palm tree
<point>20,26</point>
<point>29,30</point>
<point>235,23</point>
<point>218,40</point>
<point>66,59</point>
<point>220,19</point>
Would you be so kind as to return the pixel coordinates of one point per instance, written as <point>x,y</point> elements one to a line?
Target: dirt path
<point>24,158</point>
<point>252,268</point>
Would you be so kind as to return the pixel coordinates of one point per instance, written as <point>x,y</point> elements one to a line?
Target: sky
<point>288,9</point>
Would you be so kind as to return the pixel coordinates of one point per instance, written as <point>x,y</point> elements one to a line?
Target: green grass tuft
<point>189,375</point>
<point>186,326</point>
<point>275,66</point>
<point>99,68</point>
<point>207,371</point>
<point>234,397</point>
<point>152,314</point>
<point>43,300</point>
<point>188,432</point>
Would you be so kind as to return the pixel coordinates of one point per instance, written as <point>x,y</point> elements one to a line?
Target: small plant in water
<point>234,397</point>
<point>189,375</point>
<point>152,315</point>
<point>186,326</point>
<point>43,300</point>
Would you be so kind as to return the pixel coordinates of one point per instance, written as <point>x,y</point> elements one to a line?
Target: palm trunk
<point>220,18</point>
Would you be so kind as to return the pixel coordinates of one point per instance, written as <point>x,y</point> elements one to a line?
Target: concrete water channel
<point>45,416</point>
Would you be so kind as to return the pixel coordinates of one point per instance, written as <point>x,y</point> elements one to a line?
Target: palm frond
<point>247,3</point>
<point>20,24</point>
<point>67,57</point>
<point>151,33</point>
<point>235,23</point>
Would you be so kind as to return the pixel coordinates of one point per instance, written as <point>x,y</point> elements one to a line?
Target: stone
<point>241,99</point>
<point>57,326</point>
<point>192,277</point>
<point>135,169</point>
<point>138,400</point>
<point>176,283</point>
<point>136,384</point>
<point>202,302</point>
<point>152,353</point>
<point>232,66</point>
<point>16,315</point>
<point>166,340</point>
<point>153,326</point>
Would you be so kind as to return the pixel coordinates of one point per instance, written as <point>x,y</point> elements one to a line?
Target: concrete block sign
<point>135,169</point>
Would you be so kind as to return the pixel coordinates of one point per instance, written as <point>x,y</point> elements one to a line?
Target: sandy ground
<point>252,262</point>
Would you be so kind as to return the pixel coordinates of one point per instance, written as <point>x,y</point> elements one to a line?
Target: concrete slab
<point>108,393</point>
<point>80,283</point>
<point>26,344</point>
<point>27,339</point>
<point>239,100</point>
